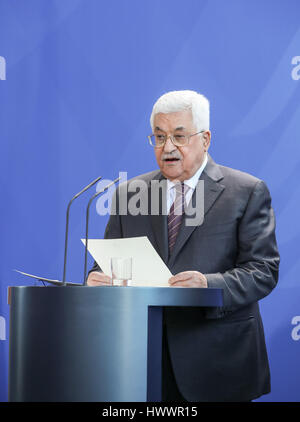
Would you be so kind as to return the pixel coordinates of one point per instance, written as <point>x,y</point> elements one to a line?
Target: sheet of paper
<point>148,269</point>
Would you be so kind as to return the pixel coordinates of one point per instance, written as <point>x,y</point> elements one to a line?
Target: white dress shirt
<point>191,183</point>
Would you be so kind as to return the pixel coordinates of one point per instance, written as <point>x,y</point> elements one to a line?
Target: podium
<point>95,344</point>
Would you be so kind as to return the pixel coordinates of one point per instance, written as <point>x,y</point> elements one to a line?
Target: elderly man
<point>209,354</point>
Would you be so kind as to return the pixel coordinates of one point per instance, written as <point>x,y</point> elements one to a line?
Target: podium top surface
<point>151,296</point>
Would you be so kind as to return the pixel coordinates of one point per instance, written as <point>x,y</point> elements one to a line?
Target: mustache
<point>171,156</point>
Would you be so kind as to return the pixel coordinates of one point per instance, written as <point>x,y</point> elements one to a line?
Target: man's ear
<point>207,138</point>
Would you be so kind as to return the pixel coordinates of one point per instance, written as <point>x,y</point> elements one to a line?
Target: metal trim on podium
<point>96,344</point>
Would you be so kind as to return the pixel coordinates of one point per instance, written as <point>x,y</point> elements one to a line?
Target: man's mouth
<point>171,160</point>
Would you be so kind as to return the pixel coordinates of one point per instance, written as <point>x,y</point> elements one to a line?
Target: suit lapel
<point>159,222</point>
<point>211,177</point>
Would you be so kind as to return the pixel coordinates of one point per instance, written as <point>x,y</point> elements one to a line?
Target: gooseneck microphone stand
<point>87,223</point>
<point>67,224</point>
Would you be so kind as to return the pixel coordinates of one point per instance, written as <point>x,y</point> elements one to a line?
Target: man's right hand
<point>96,278</point>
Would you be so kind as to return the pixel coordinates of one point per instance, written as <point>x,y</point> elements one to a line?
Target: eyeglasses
<point>179,140</point>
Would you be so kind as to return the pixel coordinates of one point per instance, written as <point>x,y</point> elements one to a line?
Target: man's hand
<point>188,279</point>
<point>96,278</point>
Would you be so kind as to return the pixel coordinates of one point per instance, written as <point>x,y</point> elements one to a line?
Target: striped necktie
<point>176,214</point>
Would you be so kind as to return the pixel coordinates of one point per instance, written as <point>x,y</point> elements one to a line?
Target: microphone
<point>47,280</point>
<point>67,224</point>
<point>87,223</point>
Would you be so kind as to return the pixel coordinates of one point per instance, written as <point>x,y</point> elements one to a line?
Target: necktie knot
<point>179,187</point>
<point>181,190</point>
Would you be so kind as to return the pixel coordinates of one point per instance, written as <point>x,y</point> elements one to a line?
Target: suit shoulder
<point>245,186</point>
<point>145,177</point>
<point>238,177</point>
<point>240,182</point>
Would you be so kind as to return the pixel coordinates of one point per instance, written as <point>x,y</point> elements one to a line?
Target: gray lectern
<point>98,344</point>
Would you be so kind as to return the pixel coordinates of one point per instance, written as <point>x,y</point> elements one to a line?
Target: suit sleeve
<point>256,271</point>
<point>113,230</point>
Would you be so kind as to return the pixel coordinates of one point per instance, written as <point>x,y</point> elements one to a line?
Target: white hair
<point>184,100</point>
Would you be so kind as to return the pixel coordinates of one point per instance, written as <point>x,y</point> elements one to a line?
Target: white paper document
<point>148,269</point>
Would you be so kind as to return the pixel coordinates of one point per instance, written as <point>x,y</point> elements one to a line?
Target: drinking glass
<point>121,271</point>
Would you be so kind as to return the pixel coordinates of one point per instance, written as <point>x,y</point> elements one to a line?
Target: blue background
<point>81,80</point>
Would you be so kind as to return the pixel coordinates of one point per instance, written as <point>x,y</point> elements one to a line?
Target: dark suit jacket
<point>218,354</point>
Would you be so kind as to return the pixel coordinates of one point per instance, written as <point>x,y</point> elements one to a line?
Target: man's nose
<point>169,146</point>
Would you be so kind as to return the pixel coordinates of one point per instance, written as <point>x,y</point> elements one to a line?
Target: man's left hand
<point>188,279</point>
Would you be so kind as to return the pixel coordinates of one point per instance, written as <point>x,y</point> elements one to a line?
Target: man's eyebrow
<point>178,128</point>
